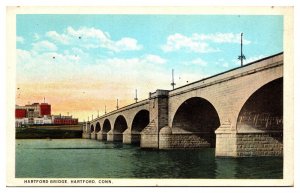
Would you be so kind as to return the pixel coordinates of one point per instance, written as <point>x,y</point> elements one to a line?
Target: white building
<point>20,122</point>
<point>42,120</point>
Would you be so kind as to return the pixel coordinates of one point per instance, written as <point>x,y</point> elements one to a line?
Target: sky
<point>82,63</point>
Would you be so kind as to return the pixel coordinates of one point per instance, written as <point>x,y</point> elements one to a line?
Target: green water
<point>84,158</point>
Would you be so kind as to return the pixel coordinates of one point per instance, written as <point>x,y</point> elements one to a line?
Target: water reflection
<point>174,164</point>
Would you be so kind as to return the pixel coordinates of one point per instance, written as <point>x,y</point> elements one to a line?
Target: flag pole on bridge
<point>136,99</point>
<point>242,56</point>
<point>173,83</point>
<point>117,104</point>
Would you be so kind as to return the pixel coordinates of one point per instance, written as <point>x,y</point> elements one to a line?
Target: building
<point>64,120</point>
<point>21,121</point>
<point>20,113</point>
<point>33,114</point>
<point>40,114</point>
<point>42,120</point>
<point>45,109</point>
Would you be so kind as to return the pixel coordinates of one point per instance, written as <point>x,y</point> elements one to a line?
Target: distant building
<point>21,121</point>
<point>42,120</point>
<point>32,111</point>
<point>20,113</point>
<point>64,120</point>
<point>45,109</point>
<point>40,114</point>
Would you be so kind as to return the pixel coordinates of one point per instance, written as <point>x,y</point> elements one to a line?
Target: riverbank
<point>43,133</point>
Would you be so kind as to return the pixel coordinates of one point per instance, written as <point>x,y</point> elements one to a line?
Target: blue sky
<point>97,58</point>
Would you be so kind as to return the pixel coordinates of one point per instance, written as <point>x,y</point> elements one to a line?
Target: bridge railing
<point>130,106</point>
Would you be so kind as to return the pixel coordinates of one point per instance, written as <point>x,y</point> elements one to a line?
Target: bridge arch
<point>106,128</point>
<point>119,127</point>
<point>263,110</point>
<point>92,128</point>
<point>97,128</point>
<point>198,116</point>
<point>140,121</point>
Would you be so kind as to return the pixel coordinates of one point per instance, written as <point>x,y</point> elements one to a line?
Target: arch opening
<point>197,116</point>
<point>140,121</point>
<point>119,127</point>
<point>263,111</point>
<point>106,129</point>
<point>92,128</point>
<point>98,128</point>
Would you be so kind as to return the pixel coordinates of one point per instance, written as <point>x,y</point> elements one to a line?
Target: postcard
<point>150,96</point>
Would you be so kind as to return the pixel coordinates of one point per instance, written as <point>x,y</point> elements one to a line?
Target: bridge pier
<point>226,141</point>
<point>249,143</point>
<point>175,138</point>
<point>158,116</point>
<point>93,135</point>
<point>86,135</point>
<point>111,136</point>
<point>127,139</point>
<point>86,131</point>
<point>100,135</point>
<point>150,137</point>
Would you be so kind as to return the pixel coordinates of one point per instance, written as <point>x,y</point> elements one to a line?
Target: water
<point>84,158</point>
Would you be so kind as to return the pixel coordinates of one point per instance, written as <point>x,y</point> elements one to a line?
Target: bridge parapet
<point>128,107</point>
<point>253,67</point>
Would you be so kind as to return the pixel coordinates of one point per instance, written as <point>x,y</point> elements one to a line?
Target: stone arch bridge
<point>239,112</point>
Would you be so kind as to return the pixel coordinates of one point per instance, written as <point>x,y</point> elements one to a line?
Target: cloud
<point>133,64</point>
<point>154,59</point>
<point>178,41</point>
<point>125,44</point>
<point>221,38</point>
<point>199,62</point>
<point>75,63</point>
<point>195,62</point>
<point>91,38</point>
<point>20,39</point>
<point>200,43</point>
<point>36,37</point>
<point>61,38</point>
<point>44,46</point>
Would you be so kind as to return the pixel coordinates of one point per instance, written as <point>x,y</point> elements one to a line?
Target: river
<point>84,158</point>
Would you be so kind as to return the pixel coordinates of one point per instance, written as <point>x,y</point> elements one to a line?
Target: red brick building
<point>64,120</point>
<point>20,113</point>
<point>45,109</point>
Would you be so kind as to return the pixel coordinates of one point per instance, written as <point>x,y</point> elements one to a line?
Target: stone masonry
<point>226,93</point>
